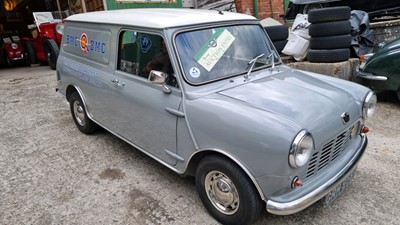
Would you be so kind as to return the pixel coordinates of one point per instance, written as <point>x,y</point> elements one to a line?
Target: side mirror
<point>158,77</point>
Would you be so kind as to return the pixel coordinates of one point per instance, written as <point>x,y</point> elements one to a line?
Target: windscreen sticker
<point>194,72</point>
<point>214,49</point>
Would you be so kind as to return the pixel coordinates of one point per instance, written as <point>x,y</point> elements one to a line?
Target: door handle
<point>116,81</point>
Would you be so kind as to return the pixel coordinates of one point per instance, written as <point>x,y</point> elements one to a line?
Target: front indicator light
<point>365,130</point>
<point>297,183</point>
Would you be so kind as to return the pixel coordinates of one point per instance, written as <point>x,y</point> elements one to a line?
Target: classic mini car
<point>380,70</point>
<point>11,50</point>
<point>204,93</point>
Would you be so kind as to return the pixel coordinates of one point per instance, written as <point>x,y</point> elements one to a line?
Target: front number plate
<point>331,196</point>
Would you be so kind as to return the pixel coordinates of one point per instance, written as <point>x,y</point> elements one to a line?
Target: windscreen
<point>217,53</point>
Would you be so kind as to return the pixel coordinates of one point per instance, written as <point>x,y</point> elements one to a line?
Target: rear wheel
<point>227,192</point>
<point>78,111</point>
<point>30,57</point>
<point>51,50</point>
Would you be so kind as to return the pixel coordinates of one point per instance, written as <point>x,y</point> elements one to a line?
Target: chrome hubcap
<point>222,192</point>
<point>79,113</point>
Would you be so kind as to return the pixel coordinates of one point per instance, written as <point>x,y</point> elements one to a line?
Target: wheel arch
<point>199,155</point>
<point>71,89</point>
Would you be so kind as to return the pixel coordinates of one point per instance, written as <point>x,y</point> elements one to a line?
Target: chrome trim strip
<point>287,208</point>
<point>370,76</point>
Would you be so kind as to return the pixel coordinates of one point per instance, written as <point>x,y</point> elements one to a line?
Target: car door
<point>141,110</point>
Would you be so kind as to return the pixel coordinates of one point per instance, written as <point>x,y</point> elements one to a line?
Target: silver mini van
<point>204,93</point>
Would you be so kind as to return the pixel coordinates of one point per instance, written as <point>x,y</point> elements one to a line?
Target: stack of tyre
<point>330,34</point>
<point>278,35</point>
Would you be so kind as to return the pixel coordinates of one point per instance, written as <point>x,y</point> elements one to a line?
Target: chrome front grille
<point>328,153</point>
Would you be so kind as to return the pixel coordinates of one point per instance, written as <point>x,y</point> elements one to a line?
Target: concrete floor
<point>50,173</point>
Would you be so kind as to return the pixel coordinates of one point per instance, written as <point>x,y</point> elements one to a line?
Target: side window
<point>139,53</point>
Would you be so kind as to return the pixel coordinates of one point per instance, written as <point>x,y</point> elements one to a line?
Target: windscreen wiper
<point>251,64</point>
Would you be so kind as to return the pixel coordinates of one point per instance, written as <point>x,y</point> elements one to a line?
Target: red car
<point>12,50</point>
<point>46,38</point>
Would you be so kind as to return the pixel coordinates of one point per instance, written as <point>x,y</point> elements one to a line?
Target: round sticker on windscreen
<point>194,72</point>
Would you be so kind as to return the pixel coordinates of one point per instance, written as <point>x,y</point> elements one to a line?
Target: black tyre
<point>332,55</point>
<point>277,33</point>
<point>10,63</point>
<point>332,42</point>
<point>226,191</point>
<point>329,14</point>
<point>329,29</point>
<point>280,45</point>
<point>78,111</point>
<point>30,56</point>
<point>51,50</point>
<point>398,94</point>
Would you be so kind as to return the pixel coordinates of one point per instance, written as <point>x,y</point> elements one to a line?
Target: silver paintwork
<point>253,121</point>
<point>286,208</point>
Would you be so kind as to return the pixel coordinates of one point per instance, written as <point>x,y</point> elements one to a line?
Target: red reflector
<point>297,183</point>
<point>365,129</point>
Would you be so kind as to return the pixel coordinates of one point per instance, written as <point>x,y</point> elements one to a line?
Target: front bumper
<point>370,76</point>
<point>286,208</point>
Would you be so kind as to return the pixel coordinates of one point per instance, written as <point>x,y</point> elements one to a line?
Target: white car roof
<point>158,18</point>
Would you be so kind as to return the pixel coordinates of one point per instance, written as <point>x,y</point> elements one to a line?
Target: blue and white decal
<point>145,43</point>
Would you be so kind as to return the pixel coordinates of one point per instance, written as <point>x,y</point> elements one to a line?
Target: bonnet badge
<point>345,117</point>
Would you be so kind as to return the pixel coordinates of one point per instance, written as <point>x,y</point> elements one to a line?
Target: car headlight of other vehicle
<point>301,150</point>
<point>14,46</point>
<point>369,105</point>
<point>60,28</point>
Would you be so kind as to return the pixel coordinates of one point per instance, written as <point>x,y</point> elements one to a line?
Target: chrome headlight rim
<point>60,28</point>
<point>302,146</point>
<point>14,46</point>
<point>369,105</point>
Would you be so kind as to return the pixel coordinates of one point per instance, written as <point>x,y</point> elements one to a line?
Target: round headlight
<point>369,105</point>
<point>14,46</point>
<point>302,149</point>
<point>60,28</point>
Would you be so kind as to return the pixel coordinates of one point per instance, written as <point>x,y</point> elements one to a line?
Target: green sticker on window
<point>214,49</point>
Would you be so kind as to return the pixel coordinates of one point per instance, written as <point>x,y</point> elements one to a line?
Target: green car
<point>380,70</point>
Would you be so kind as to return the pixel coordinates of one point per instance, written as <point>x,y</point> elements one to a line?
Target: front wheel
<point>227,192</point>
<point>398,94</point>
<point>51,50</point>
<point>81,119</point>
<point>30,56</point>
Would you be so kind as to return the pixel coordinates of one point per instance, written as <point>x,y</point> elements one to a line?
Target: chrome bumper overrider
<point>286,208</point>
<point>369,76</point>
